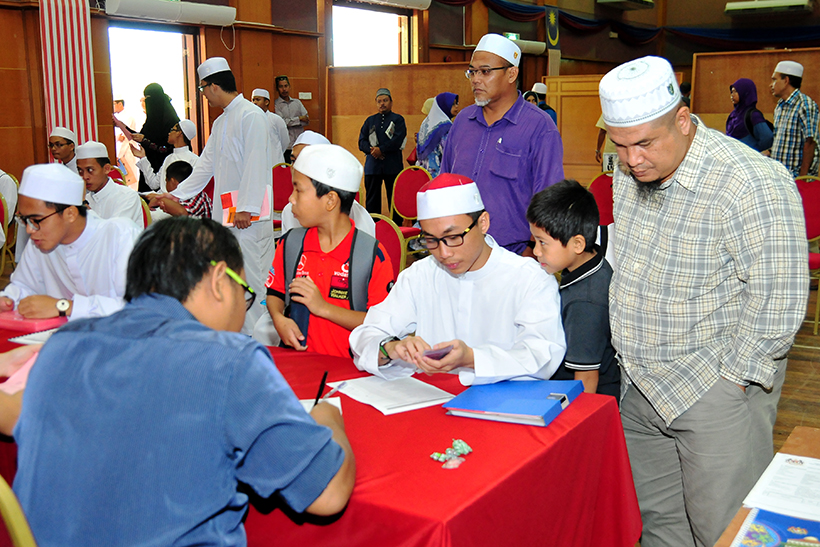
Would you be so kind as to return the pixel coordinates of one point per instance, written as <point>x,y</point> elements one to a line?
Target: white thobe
<point>508,312</point>
<point>358,214</point>
<point>156,181</point>
<point>280,129</point>
<point>237,156</point>
<point>72,165</point>
<point>115,200</point>
<point>90,271</point>
<point>8,188</point>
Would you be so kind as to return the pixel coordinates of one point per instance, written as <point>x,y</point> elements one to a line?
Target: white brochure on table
<point>789,486</point>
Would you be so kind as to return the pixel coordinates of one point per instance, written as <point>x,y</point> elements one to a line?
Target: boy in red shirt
<point>324,276</point>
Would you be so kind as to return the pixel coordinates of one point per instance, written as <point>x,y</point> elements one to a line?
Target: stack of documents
<point>393,396</point>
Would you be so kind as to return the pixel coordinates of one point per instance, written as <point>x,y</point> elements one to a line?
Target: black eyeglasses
<point>472,72</point>
<point>33,223</point>
<point>57,144</point>
<point>201,88</point>
<point>250,296</point>
<point>430,242</point>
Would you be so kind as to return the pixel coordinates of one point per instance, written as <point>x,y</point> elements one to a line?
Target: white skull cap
<point>503,47</point>
<point>332,165</point>
<point>638,92</point>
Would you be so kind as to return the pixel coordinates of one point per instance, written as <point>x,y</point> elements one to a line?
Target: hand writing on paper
<point>305,291</point>
<point>460,356</point>
<point>242,220</point>
<point>38,306</point>
<point>289,332</point>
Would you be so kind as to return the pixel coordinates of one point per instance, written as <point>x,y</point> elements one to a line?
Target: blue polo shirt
<point>136,429</point>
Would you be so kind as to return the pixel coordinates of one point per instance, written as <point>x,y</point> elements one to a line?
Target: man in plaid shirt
<point>711,288</point>
<point>795,122</point>
<point>199,206</point>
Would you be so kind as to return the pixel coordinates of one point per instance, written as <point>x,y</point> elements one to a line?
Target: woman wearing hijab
<point>160,118</point>
<point>433,131</point>
<point>746,123</point>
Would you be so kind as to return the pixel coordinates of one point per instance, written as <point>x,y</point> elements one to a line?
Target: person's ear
<point>216,277</point>
<point>70,214</point>
<point>484,222</point>
<point>512,74</point>
<point>332,200</point>
<point>683,120</point>
<point>577,244</point>
<point>107,168</point>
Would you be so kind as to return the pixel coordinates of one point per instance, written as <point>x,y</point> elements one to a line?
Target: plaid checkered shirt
<point>795,120</point>
<point>199,206</point>
<point>713,273</point>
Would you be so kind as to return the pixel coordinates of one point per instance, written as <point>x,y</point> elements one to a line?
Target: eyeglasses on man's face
<point>33,223</point>
<point>201,88</point>
<point>472,72</point>
<point>250,296</point>
<point>53,145</point>
<point>429,242</point>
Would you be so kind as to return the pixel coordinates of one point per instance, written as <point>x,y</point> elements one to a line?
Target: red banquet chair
<point>389,235</point>
<point>809,188</point>
<point>601,188</point>
<point>282,189</point>
<point>117,175</point>
<point>407,185</point>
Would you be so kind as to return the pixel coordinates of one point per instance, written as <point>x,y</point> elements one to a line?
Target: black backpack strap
<point>293,245</point>
<point>604,233</point>
<point>363,249</point>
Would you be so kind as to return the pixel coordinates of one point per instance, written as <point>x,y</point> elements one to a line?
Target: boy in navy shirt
<point>564,222</point>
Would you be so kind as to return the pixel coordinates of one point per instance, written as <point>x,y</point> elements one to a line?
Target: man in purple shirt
<point>508,146</point>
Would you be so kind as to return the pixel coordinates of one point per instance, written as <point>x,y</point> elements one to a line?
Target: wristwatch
<point>383,350</point>
<point>62,306</point>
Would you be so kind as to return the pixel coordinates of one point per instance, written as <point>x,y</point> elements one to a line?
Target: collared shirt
<point>510,161</point>
<point>390,132</point>
<point>279,138</point>
<point>156,181</point>
<point>90,271</point>
<point>712,275</point>
<point>137,429</point>
<point>795,121</point>
<point>290,111</point>
<point>508,312</point>
<point>115,200</point>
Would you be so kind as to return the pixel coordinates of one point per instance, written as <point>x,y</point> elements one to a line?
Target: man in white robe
<point>180,138</point>
<point>238,157</point>
<point>61,143</point>
<point>75,263</point>
<point>105,197</point>
<point>500,313</point>
<point>278,127</point>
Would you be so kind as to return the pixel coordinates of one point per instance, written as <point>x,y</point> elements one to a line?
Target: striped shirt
<point>795,120</point>
<point>713,273</point>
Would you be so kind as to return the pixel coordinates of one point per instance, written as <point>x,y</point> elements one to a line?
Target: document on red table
<point>393,396</point>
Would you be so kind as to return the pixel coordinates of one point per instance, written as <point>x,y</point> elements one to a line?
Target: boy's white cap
<point>52,182</point>
<point>65,133</point>
<point>332,165</point>
<point>638,92</point>
<point>503,47</point>
<point>311,137</point>
<point>90,150</point>
<point>540,88</point>
<point>446,195</point>
<point>259,92</point>
<point>789,68</point>
<point>212,66</point>
<point>188,129</point>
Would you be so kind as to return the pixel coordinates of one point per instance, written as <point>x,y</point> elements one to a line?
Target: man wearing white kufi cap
<point>325,276</point>
<point>238,157</point>
<point>278,134</point>
<point>75,263</point>
<point>510,148</point>
<point>61,144</point>
<point>180,138</point>
<point>702,309</point>
<point>106,197</point>
<point>795,122</point>
<point>500,313</point>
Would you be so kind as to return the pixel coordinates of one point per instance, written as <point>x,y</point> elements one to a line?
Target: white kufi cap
<point>503,47</point>
<point>64,133</point>
<point>332,165</point>
<point>446,195</point>
<point>90,150</point>
<point>212,66</point>
<point>52,182</point>
<point>311,137</point>
<point>789,68</point>
<point>188,129</point>
<point>259,92</point>
<point>638,92</point>
<point>540,88</point>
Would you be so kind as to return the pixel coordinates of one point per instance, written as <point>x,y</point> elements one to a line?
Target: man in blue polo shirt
<point>137,429</point>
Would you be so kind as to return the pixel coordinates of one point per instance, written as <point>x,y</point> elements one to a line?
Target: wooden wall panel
<point>440,54</point>
<point>102,83</point>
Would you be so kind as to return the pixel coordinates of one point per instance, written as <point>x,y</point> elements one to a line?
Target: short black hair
<point>564,210</point>
<point>224,80</point>
<point>475,215</point>
<point>173,255</point>
<point>345,198</point>
<point>795,81</point>
<point>280,78</point>
<point>179,171</point>
<point>60,207</point>
<point>121,101</point>
<point>685,88</point>
<point>103,161</point>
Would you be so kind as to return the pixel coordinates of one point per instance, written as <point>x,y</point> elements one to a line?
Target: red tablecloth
<point>566,484</point>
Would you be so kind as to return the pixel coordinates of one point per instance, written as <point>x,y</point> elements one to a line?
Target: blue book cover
<point>766,529</point>
<point>536,402</point>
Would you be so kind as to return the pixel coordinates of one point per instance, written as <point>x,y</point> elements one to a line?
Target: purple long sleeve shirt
<point>510,161</point>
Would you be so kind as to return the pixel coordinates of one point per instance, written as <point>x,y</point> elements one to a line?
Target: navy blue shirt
<point>389,143</point>
<point>137,427</point>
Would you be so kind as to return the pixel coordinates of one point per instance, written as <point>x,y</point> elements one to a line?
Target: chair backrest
<point>14,519</point>
<point>209,189</point>
<point>282,186</point>
<point>390,237</point>
<point>4,215</point>
<point>117,175</point>
<point>809,188</point>
<point>601,188</point>
<point>146,214</point>
<point>407,185</point>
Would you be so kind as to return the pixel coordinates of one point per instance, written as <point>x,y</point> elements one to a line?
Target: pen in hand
<point>321,389</point>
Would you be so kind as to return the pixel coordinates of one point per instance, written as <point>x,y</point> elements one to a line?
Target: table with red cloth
<point>566,484</point>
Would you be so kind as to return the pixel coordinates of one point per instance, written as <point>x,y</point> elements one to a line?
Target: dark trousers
<point>373,191</point>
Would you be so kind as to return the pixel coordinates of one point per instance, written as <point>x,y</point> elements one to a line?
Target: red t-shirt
<point>329,271</point>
